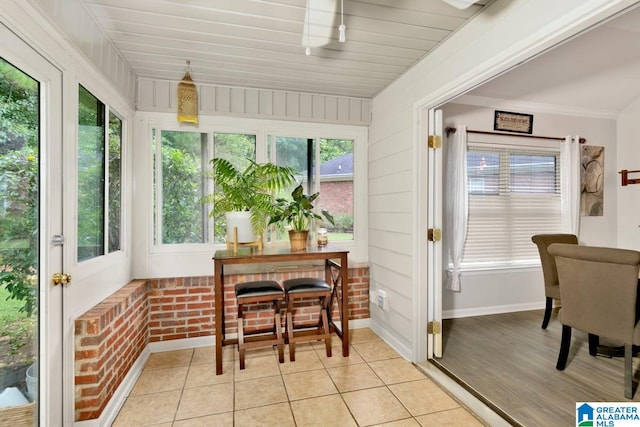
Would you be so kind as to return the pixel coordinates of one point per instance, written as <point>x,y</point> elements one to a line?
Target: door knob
<point>61,278</point>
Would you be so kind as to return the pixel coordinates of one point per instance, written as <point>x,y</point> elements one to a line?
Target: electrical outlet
<point>382,300</point>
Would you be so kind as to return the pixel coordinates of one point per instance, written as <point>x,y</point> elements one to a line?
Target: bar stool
<point>301,289</point>
<point>260,292</point>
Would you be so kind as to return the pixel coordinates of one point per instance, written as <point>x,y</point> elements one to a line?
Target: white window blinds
<point>514,193</point>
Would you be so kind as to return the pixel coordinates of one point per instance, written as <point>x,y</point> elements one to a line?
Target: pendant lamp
<point>187,98</point>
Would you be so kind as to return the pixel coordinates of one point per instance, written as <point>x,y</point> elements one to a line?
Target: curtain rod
<point>485,132</point>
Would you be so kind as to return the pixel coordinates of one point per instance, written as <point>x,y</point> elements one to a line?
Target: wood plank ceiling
<point>260,43</point>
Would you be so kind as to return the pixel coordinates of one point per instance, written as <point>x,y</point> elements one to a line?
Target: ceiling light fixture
<point>307,50</point>
<point>187,98</point>
<point>460,4</point>
<point>342,37</point>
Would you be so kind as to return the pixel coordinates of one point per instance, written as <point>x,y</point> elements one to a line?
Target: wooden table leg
<point>219,313</point>
<point>345,304</point>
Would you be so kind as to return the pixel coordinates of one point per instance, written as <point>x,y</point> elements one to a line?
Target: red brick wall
<point>110,337</point>
<point>337,197</point>
<point>108,340</point>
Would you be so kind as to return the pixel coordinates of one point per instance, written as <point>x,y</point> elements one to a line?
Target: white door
<point>31,215</point>
<point>434,246</point>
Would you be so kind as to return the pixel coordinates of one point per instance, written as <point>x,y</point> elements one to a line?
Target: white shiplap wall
<point>508,32</point>
<point>72,20</point>
<point>161,96</point>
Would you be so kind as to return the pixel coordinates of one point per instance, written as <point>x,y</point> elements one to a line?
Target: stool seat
<point>258,288</point>
<point>260,292</point>
<point>308,288</point>
<point>305,284</point>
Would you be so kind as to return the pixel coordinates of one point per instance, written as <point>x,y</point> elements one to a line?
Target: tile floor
<point>373,386</point>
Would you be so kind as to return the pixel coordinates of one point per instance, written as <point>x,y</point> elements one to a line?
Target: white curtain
<point>456,205</point>
<point>570,184</point>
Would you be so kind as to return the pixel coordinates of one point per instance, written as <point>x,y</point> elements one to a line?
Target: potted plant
<point>297,216</point>
<point>246,197</point>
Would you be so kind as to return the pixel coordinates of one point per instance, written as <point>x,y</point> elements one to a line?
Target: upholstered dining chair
<point>551,290</point>
<point>599,292</point>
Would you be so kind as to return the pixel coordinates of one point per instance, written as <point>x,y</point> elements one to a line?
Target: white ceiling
<point>259,43</point>
<point>596,73</point>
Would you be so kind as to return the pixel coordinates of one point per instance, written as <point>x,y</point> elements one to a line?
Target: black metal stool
<point>308,288</point>
<point>263,291</point>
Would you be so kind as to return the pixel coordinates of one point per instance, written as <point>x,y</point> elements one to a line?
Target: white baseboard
<point>496,309</point>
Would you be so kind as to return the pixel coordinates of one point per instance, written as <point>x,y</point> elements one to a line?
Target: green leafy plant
<point>252,189</point>
<point>298,213</point>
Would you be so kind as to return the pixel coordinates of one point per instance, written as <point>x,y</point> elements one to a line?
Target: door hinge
<point>434,234</point>
<point>433,328</point>
<point>435,141</point>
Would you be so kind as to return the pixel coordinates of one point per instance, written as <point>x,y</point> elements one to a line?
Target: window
<point>514,193</point>
<point>333,179</point>
<point>182,160</point>
<point>99,180</point>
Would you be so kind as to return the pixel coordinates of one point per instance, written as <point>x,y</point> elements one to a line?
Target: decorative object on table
<point>592,181</point>
<point>297,215</point>
<point>513,122</point>
<point>246,197</point>
<point>187,98</point>
<point>323,236</point>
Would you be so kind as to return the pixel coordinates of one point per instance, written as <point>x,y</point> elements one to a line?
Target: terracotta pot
<point>298,239</point>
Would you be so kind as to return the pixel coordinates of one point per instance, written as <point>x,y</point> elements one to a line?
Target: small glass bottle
<point>323,237</point>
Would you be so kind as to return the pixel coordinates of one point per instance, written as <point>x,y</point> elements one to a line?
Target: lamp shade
<point>187,100</point>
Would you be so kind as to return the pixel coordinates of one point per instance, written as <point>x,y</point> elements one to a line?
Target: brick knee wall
<point>108,340</point>
<point>111,336</point>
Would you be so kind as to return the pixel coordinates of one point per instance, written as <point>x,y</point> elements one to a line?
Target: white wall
<point>629,196</point>
<point>513,290</point>
<point>506,33</point>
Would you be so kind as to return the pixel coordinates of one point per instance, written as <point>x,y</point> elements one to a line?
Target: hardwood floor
<point>510,361</point>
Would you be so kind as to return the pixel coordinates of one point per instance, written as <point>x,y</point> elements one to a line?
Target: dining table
<point>336,271</point>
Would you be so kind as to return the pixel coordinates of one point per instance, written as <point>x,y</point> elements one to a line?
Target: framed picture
<point>513,122</point>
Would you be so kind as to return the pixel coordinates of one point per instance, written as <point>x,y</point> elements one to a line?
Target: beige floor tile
<point>204,355</point>
<point>423,397</point>
<point>337,359</point>
<point>200,375</point>
<point>362,335</point>
<point>259,392</point>
<point>398,370</point>
<point>207,400</point>
<point>169,359</point>
<point>322,411</point>
<point>375,350</point>
<point>302,385</point>
<point>305,361</point>
<point>257,352</point>
<point>374,406</point>
<point>354,377</point>
<point>257,367</point>
<point>407,422</point>
<point>217,420</point>
<point>157,380</point>
<point>452,418</point>
<point>148,409</point>
<point>278,415</point>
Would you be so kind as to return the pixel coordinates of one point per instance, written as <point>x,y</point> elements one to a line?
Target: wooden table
<point>336,273</point>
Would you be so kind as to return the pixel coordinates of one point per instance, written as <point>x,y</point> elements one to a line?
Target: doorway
<point>30,235</point>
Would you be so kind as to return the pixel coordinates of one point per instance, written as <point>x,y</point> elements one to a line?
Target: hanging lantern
<point>187,98</point>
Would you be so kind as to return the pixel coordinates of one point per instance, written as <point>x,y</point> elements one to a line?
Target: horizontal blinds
<point>514,193</point>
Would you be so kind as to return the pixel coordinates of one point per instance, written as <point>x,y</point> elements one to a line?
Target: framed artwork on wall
<point>513,122</point>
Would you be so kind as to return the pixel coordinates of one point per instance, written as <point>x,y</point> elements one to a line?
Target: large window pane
<point>115,173</point>
<point>91,175</point>
<point>184,216</point>
<point>239,149</point>
<point>336,186</point>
